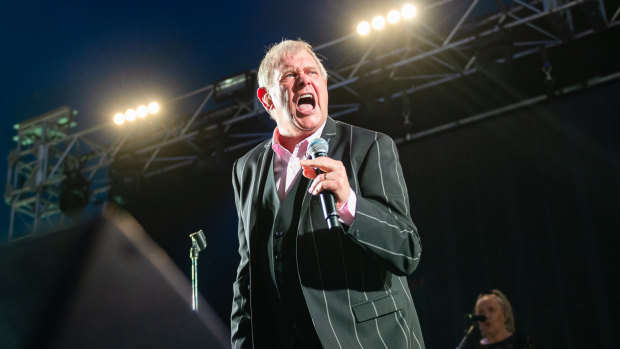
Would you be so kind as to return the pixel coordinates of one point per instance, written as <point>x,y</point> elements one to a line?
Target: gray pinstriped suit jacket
<point>354,282</point>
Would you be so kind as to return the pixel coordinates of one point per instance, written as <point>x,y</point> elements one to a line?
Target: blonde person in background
<point>498,329</point>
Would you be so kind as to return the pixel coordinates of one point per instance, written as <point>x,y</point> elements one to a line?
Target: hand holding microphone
<point>330,180</point>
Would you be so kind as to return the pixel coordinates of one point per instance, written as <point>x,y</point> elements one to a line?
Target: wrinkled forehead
<point>296,60</point>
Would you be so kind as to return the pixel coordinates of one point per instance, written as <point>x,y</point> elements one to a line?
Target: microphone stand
<point>199,243</point>
<point>467,333</point>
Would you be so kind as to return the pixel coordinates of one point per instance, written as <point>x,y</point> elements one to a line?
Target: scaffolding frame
<point>48,145</point>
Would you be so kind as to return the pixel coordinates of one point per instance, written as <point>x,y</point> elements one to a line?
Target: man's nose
<point>303,79</point>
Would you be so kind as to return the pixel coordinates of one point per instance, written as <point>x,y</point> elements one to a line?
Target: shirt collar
<point>283,153</point>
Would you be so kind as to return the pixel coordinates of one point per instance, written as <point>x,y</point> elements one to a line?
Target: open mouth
<point>306,103</point>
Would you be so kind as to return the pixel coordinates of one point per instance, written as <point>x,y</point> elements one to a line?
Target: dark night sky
<point>101,57</point>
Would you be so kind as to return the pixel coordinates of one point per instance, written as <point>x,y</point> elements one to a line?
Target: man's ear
<point>264,98</point>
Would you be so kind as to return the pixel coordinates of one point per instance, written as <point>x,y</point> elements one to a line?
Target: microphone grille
<point>318,145</point>
<point>199,238</point>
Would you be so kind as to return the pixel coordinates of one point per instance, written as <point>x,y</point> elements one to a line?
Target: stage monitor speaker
<point>104,285</point>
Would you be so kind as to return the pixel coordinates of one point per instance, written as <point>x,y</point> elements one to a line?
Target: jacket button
<point>277,256</point>
<point>278,234</point>
<point>356,232</point>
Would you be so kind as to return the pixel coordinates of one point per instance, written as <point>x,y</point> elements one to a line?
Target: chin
<point>307,121</point>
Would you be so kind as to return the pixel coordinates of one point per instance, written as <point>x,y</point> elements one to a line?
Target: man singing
<point>300,284</point>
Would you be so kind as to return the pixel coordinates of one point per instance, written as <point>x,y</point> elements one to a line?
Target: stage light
<point>378,22</point>
<point>141,111</point>
<point>130,115</point>
<point>409,11</point>
<point>153,107</point>
<point>393,16</point>
<point>119,118</point>
<point>363,28</point>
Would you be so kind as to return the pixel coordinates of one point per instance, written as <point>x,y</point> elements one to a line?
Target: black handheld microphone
<point>318,148</point>
<point>471,317</point>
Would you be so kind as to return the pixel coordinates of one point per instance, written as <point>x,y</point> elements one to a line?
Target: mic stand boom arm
<point>467,333</point>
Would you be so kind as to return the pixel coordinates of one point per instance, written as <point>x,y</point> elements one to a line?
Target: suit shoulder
<point>246,164</point>
<point>254,153</point>
<point>360,133</point>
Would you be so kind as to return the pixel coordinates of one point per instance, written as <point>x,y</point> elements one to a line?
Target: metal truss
<point>399,61</point>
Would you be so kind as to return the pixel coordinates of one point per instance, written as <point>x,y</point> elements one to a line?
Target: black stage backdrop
<point>526,202</point>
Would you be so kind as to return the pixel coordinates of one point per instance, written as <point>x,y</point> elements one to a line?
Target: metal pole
<point>194,257</point>
<point>199,243</point>
<point>467,333</point>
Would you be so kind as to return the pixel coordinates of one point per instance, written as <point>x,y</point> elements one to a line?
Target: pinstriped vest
<point>283,312</point>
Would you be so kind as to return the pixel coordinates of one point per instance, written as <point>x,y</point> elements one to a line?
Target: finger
<point>317,187</point>
<point>309,172</point>
<point>320,185</point>
<point>317,179</point>
<point>324,181</point>
<point>318,162</point>
<point>325,164</point>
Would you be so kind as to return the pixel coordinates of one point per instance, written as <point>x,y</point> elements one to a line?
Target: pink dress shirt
<point>286,169</point>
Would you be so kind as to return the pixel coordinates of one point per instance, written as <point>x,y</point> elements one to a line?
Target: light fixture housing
<point>241,84</point>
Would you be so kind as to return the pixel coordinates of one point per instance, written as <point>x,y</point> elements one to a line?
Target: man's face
<point>299,97</point>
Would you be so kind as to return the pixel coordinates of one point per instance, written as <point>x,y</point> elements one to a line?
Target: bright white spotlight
<point>393,16</point>
<point>409,11</point>
<point>141,111</point>
<point>153,107</point>
<point>378,22</point>
<point>363,28</point>
<point>130,115</point>
<point>119,118</point>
